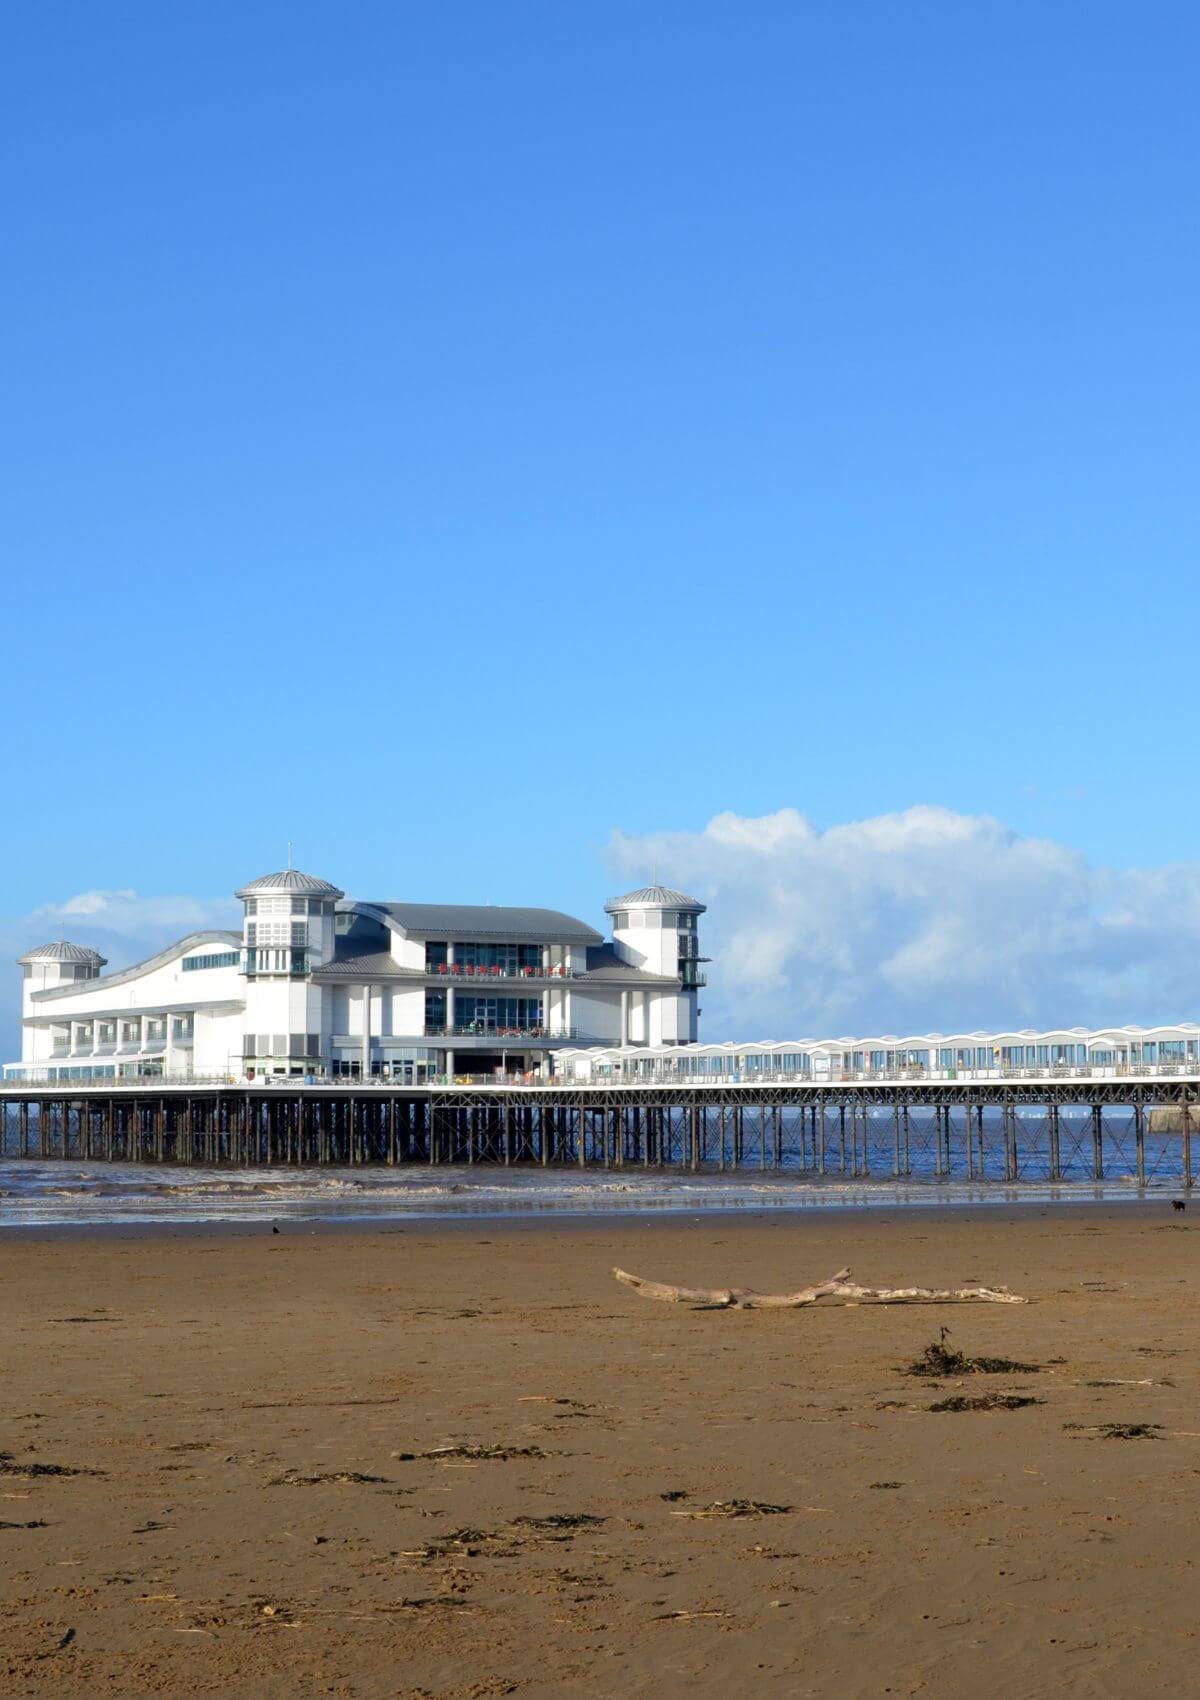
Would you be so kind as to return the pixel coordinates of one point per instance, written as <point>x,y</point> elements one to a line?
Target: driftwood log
<point>837,1287</point>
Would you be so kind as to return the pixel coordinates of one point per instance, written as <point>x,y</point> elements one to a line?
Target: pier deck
<point>1055,1129</point>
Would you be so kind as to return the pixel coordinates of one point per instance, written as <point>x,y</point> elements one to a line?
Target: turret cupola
<point>59,964</point>
<point>655,928</point>
<point>288,922</point>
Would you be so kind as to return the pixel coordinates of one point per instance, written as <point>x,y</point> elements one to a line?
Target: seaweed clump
<point>940,1359</point>
<point>1118,1431</point>
<point>986,1402</point>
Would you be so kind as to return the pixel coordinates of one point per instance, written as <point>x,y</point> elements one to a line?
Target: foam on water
<point>76,1194</point>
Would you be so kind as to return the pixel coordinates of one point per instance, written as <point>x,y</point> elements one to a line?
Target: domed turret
<point>292,882</point>
<point>654,929</point>
<point>62,950</point>
<point>656,897</point>
<point>58,964</point>
<point>289,922</point>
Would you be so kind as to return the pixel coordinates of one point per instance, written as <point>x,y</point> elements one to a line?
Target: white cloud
<point>923,921</point>
<point>126,914</point>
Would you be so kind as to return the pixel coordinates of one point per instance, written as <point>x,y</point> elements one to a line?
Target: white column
<point>169,1051</point>
<point>566,1011</point>
<point>366,1033</point>
<point>450,1007</point>
<point>624,1018</point>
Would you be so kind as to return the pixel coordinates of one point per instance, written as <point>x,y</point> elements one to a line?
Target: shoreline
<point>436,1225</point>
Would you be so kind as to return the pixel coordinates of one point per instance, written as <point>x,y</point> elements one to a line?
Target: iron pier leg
<point>1098,1142</point>
<point>1139,1134</point>
<point>1187,1140</point>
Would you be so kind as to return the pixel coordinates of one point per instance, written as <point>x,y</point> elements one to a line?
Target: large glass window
<point>472,957</point>
<point>219,959</point>
<point>497,1015</point>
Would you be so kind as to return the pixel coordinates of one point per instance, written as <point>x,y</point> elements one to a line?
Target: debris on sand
<point>34,1523</point>
<point>10,1467</point>
<point>474,1453</point>
<point>985,1402</point>
<point>560,1520</point>
<point>885,1484</point>
<point>291,1478</point>
<point>737,1508</point>
<point>685,1616</point>
<point>939,1359</point>
<point>1117,1431</point>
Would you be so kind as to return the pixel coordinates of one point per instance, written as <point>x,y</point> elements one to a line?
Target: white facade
<point>315,985</point>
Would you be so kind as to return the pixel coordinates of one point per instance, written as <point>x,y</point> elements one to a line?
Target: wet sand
<point>254,1522</point>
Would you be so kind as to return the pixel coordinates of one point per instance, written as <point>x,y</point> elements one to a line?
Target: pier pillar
<point>1139,1134</point>
<point>1098,1142</point>
<point>1187,1140</point>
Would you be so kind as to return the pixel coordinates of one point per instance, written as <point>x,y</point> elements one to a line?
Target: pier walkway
<point>1073,1125</point>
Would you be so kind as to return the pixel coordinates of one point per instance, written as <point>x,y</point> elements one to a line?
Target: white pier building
<point>318,985</point>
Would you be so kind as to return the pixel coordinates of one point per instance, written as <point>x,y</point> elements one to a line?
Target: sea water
<point>38,1194</point>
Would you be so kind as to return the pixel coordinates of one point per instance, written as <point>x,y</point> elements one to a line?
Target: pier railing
<point>743,1082</point>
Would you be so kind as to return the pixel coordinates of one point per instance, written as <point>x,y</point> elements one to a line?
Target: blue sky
<point>451,436</point>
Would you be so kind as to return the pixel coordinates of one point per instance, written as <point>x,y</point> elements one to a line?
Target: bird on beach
<point>274,1227</point>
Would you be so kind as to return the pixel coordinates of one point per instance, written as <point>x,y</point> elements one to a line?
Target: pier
<point>1007,1129</point>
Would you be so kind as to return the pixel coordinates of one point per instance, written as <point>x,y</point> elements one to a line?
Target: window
<point>497,1015</point>
<point>219,959</point>
<point>476,958</point>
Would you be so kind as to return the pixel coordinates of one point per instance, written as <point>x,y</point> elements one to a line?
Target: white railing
<point>744,1080</point>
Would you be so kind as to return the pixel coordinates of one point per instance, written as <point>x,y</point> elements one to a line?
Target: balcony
<point>480,1030</point>
<point>467,971</point>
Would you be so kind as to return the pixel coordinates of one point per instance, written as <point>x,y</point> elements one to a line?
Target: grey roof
<point>63,951</point>
<point>656,897</point>
<point>603,963</point>
<point>76,988</point>
<point>292,880</point>
<point>487,921</point>
<point>373,965</point>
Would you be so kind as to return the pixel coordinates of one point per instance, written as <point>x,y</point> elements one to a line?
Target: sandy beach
<point>222,1471</point>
